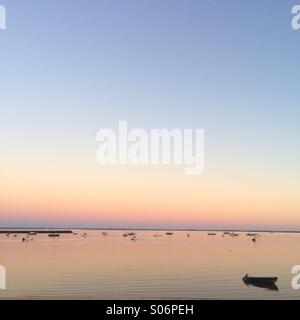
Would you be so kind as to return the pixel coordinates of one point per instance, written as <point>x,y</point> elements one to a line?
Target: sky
<point>69,68</point>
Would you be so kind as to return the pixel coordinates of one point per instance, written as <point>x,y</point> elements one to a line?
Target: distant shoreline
<point>21,231</point>
<point>69,230</point>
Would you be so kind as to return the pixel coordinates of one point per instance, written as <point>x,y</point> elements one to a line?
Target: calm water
<point>176,267</point>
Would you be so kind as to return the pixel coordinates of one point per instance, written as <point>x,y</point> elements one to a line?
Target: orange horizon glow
<point>143,197</point>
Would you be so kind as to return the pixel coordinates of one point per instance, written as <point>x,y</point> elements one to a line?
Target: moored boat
<point>53,235</point>
<point>131,234</point>
<point>157,235</point>
<point>259,280</point>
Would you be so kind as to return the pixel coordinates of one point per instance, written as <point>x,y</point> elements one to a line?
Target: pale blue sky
<point>69,68</point>
<point>226,64</point>
<point>177,63</point>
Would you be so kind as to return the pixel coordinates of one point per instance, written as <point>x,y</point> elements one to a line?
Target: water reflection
<point>107,265</point>
<point>268,286</point>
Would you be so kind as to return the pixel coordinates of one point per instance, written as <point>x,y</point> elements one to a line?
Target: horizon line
<point>152,229</point>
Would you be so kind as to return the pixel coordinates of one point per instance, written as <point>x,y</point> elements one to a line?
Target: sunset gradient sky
<point>69,68</point>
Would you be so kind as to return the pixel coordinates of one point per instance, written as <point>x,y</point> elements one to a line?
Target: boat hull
<point>260,280</point>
